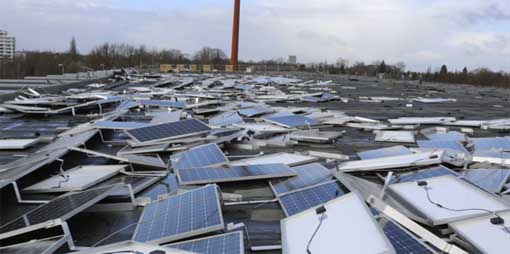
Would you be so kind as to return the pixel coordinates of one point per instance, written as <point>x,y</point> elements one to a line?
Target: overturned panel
<point>17,144</point>
<point>346,226</point>
<point>75,179</point>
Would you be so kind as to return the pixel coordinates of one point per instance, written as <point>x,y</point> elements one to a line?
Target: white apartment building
<point>7,45</point>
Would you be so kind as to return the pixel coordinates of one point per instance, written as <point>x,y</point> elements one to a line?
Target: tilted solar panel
<point>307,175</point>
<point>234,173</point>
<point>200,156</point>
<point>169,130</point>
<point>184,215</point>
<point>298,201</point>
<point>229,243</point>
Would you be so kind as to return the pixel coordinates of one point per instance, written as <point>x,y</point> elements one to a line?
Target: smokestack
<point>235,35</point>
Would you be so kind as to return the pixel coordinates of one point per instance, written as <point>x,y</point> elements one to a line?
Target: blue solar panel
<point>402,241</point>
<point>451,135</point>
<point>278,114</point>
<point>200,156</point>
<point>491,143</point>
<point>226,118</point>
<point>181,216</point>
<point>307,175</point>
<point>169,130</point>
<point>167,186</point>
<point>443,144</point>
<point>384,152</point>
<point>257,110</point>
<point>422,174</point>
<point>230,243</point>
<point>491,180</point>
<point>294,121</point>
<point>163,103</point>
<point>234,173</point>
<point>298,201</point>
<point>128,105</point>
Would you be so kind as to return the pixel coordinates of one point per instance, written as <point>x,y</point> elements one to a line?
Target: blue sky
<point>421,33</point>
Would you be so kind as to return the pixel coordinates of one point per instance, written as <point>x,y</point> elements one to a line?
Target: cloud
<point>419,32</point>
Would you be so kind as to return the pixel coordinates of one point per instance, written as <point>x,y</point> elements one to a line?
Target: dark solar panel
<point>230,243</point>
<point>234,173</point>
<point>168,130</point>
<point>180,216</point>
<point>298,201</point>
<point>307,175</point>
<point>59,207</point>
<point>402,241</point>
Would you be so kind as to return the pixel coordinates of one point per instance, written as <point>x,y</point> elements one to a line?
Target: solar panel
<point>229,243</point>
<point>307,175</point>
<point>450,135</point>
<point>184,215</point>
<point>491,180</point>
<point>226,118</point>
<point>422,174</point>
<point>234,173</point>
<point>164,103</point>
<point>200,156</point>
<point>443,144</point>
<point>145,160</point>
<point>115,125</point>
<point>62,207</point>
<point>168,130</point>
<point>253,111</point>
<point>384,152</point>
<point>491,143</point>
<point>402,241</point>
<point>167,186</point>
<point>128,105</point>
<point>294,121</point>
<point>39,246</point>
<point>298,201</point>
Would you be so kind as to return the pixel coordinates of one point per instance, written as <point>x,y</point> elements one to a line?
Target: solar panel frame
<point>116,125</point>
<point>14,228</point>
<point>384,152</point>
<point>422,174</point>
<point>290,205</point>
<point>203,175</point>
<point>182,235</point>
<point>208,249</point>
<point>303,179</point>
<point>194,157</point>
<point>185,128</point>
<point>293,121</point>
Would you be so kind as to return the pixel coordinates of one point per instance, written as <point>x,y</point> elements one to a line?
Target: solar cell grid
<point>298,201</point>
<point>230,243</point>
<point>422,174</point>
<point>200,156</point>
<point>307,175</point>
<point>57,208</point>
<point>168,130</point>
<point>234,173</point>
<point>180,216</point>
<point>402,241</point>
<point>294,121</point>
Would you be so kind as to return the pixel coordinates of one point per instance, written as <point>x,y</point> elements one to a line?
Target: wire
<point>456,210</point>
<point>321,219</point>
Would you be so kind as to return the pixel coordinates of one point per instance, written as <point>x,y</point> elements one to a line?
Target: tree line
<point>104,56</point>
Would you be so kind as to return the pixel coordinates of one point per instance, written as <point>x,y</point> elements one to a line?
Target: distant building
<point>292,60</point>
<point>7,46</point>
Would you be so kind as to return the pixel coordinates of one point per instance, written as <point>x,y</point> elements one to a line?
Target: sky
<point>420,33</point>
